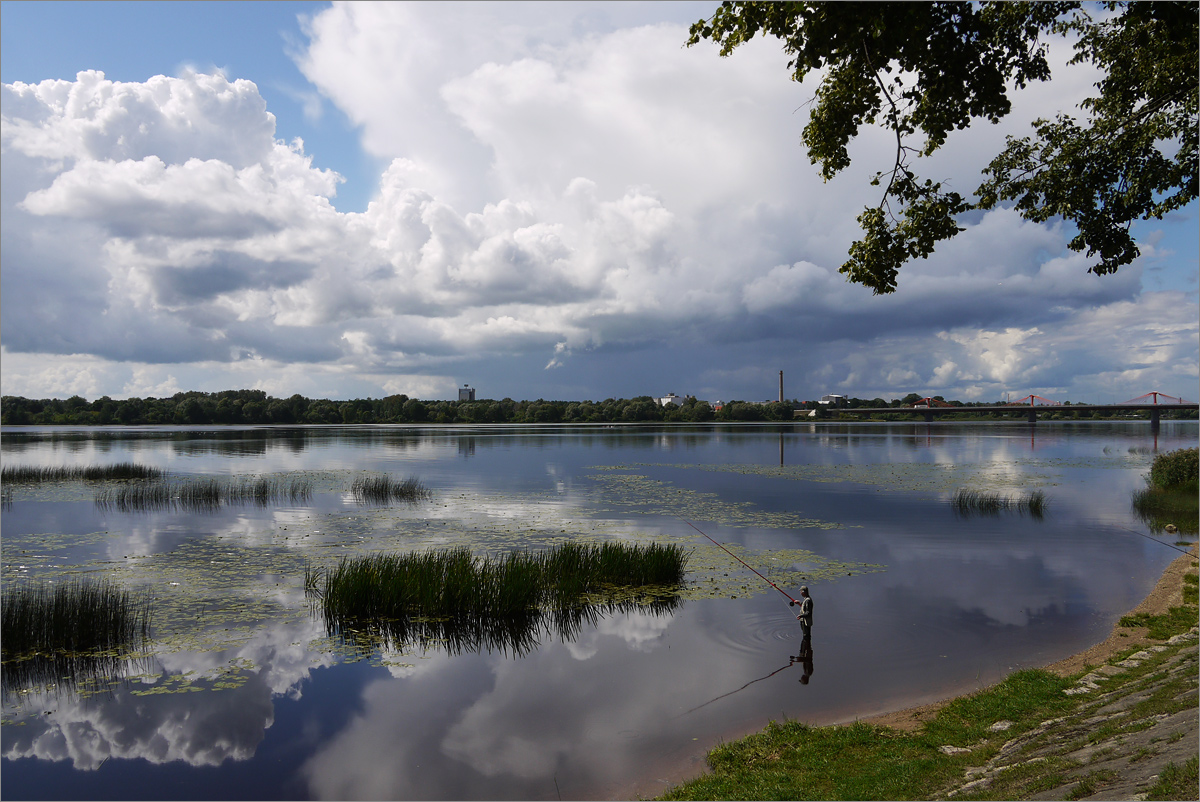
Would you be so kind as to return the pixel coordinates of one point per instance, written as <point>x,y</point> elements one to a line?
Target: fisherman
<point>805,617</point>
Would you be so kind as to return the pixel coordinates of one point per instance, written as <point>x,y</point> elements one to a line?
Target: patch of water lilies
<point>33,474</point>
<point>505,603</point>
<point>647,496</point>
<point>384,489</point>
<point>966,502</point>
<point>200,494</point>
<point>903,476</point>
<point>69,631</point>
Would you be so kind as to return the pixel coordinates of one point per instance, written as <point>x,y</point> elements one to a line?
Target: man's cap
<point>804,587</point>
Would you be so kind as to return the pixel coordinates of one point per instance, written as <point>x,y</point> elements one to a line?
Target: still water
<point>243,694</point>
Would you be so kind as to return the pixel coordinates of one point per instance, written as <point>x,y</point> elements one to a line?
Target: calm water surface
<point>243,694</point>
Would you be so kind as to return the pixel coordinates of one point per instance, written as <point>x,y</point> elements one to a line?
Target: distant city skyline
<point>550,200</point>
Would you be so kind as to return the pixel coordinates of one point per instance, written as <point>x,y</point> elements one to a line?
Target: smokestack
<point>781,386</point>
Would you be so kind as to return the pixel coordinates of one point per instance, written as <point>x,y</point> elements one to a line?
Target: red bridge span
<point>1154,402</point>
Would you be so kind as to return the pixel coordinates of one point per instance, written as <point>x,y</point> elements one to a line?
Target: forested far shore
<point>256,407</point>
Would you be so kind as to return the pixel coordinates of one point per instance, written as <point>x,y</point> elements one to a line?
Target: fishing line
<point>791,663</point>
<point>791,601</point>
<point>1156,540</point>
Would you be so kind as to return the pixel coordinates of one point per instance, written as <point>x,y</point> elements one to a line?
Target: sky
<point>539,200</point>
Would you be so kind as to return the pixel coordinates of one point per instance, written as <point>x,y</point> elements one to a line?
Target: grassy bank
<point>1024,735</point>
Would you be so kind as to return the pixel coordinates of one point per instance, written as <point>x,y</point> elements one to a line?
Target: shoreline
<point>1166,593</point>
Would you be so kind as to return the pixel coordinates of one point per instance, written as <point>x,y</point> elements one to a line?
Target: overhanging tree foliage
<point>923,70</point>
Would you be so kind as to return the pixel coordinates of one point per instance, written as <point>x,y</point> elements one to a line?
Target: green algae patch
<point>912,477</point>
<point>624,493</point>
<point>714,574</point>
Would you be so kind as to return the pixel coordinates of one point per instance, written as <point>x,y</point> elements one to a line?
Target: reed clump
<point>74,617</point>
<point>384,489</point>
<point>1170,502</point>
<point>463,602</point>
<point>122,471</point>
<point>983,502</point>
<point>203,494</point>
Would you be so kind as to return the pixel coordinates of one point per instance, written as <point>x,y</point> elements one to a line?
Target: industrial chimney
<point>781,386</point>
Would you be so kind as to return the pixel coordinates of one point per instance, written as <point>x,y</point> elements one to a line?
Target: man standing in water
<point>805,617</point>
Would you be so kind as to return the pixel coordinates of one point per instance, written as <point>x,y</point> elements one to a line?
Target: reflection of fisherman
<point>805,617</point>
<point>806,658</point>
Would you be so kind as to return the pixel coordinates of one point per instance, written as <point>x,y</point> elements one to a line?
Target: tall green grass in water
<point>981,502</point>
<point>80,615</point>
<point>27,474</point>
<point>504,603</point>
<point>58,636</point>
<point>203,494</point>
<point>383,489</point>
<point>1171,497</point>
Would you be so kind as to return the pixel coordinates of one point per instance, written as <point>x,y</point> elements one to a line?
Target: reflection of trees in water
<point>513,635</point>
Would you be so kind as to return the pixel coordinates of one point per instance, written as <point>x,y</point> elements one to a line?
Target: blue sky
<point>541,200</point>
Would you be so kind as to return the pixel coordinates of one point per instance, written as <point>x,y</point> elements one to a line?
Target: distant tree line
<point>256,407</point>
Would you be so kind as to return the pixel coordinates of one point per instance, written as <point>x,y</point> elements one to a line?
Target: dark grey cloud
<point>226,272</point>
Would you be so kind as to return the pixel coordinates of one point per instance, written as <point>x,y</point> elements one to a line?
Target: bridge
<point>1029,406</point>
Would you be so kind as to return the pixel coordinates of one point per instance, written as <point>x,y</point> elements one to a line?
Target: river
<point>243,693</point>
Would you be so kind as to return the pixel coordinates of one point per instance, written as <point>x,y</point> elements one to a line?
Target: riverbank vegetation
<point>1171,500</point>
<point>256,407</point>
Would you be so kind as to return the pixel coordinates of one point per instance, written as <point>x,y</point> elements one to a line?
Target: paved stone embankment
<point>1107,746</point>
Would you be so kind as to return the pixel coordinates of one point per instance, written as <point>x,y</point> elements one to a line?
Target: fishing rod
<point>791,601</point>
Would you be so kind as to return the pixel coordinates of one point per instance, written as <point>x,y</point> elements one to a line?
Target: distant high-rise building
<point>466,393</point>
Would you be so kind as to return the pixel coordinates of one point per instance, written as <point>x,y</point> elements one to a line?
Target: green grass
<point>1176,619</point>
<point>1172,493</point>
<point>1176,469</point>
<point>860,761</point>
<point>1177,782</point>
<point>453,582</point>
<point>504,603</point>
<point>202,494</point>
<point>979,502</point>
<point>75,616</point>
<point>383,489</point>
<point>26,474</point>
<point>1160,508</point>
